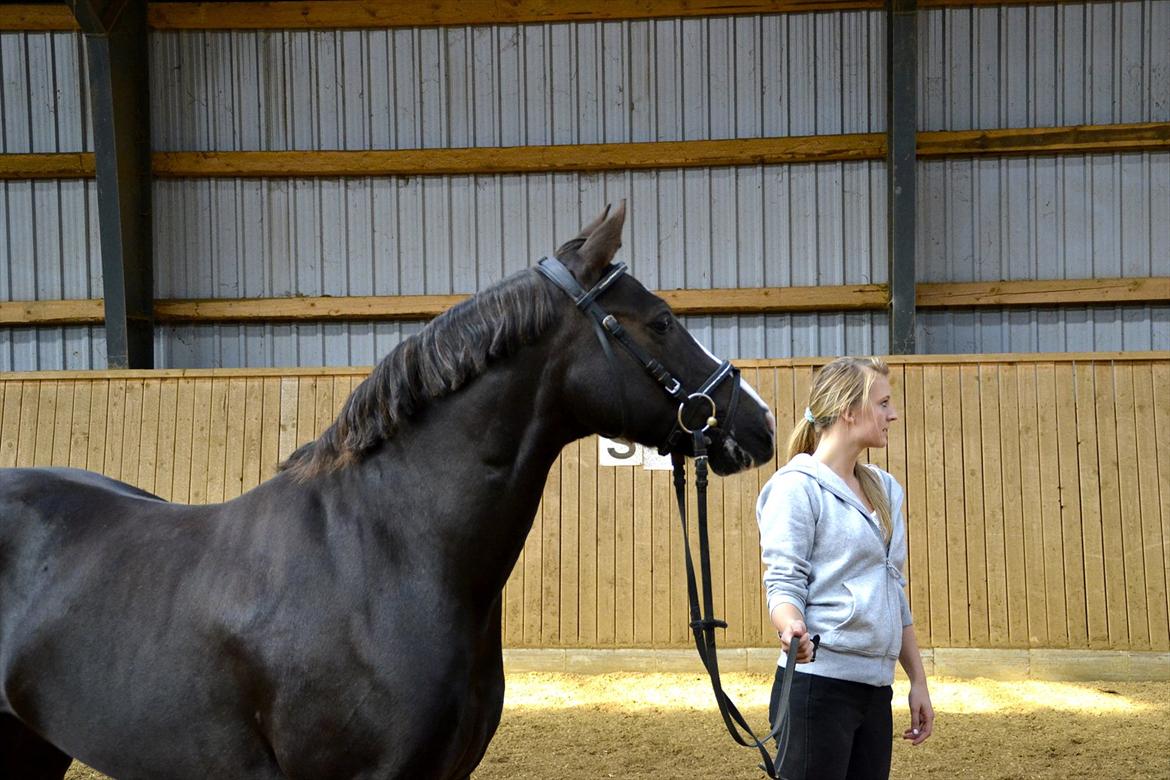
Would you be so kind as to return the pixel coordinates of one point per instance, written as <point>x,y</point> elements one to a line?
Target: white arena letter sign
<point>611,452</point>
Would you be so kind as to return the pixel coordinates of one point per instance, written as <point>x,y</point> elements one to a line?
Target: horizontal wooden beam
<point>1063,292</point>
<point>386,14</point>
<point>1085,139</point>
<point>748,300</point>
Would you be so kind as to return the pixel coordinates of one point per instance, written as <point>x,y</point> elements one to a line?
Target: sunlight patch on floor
<point>639,692</point>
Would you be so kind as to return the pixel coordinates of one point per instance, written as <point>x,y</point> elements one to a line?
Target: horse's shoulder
<point>39,480</point>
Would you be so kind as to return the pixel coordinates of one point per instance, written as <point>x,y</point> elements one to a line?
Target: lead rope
<point>703,627</point>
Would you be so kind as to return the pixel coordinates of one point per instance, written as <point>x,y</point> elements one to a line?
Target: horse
<point>342,619</point>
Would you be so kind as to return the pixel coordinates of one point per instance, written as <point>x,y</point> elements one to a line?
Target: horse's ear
<point>575,243</point>
<point>604,240</point>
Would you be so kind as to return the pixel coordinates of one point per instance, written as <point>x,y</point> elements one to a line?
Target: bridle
<point>703,626</point>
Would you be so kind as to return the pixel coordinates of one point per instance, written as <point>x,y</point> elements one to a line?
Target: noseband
<point>697,406</point>
<point>691,406</point>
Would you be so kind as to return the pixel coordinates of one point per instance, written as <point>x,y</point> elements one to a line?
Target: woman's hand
<point>796,629</point>
<point>921,715</point>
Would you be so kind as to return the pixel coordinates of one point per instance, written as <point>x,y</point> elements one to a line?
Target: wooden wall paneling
<point>1011,480</point>
<point>217,441</point>
<point>45,417</point>
<point>973,506</point>
<point>747,566</point>
<point>958,585</point>
<point>989,436</point>
<point>255,413</point>
<point>590,541</point>
<point>306,410</point>
<point>1161,424</point>
<point>234,441</point>
<point>1069,507</point>
<point>918,568</point>
<point>1030,502</point>
<point>200,441</point>
<point>550,558</point>
<point>938,580</point>
<point>132,431</point>
<point>185,414</point>
<point>148,446</point>
<point>1111,524</point>
<point>115,420</point>
<point>533,559</point>
<point>1131,524</point>
<point>571,543</point>
<point>642,539</point>
<point>1151,527</point>
<point>10,422</point>
<point>1088,482</point>
<point>79,427</point>
<point>624,557</point>
<point>662,543</point>
<point>1049,515</point>
<point>168,415</point>
<point>99,401</point>
<point>290,415</point>
<point>62,424</point>
<point>606,548</point>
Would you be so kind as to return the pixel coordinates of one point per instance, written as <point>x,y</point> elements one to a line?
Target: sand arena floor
<point>665,725</point>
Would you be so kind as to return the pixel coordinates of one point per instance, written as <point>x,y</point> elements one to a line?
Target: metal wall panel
<point>697,229</point>
<point>44,99</point>
<point>676,79</point>
<point>1044,65</point>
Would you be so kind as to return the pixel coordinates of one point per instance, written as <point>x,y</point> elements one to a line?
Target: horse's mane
<point>451,351</point>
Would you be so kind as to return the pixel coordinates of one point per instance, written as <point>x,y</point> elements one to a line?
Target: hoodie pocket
<point>868,628</point>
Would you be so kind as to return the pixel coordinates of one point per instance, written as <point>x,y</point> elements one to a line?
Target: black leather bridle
<point>703,625</point>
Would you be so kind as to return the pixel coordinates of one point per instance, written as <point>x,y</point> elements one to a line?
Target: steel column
<point>116,48</point>
<point>901,149</point>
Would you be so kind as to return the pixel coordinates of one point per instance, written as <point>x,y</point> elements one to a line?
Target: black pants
<point>840,730</point>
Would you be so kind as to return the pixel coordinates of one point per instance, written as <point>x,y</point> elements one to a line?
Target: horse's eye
<point>661,324</point>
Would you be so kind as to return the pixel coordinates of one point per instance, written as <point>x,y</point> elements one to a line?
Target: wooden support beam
<point>50,165</point>
<point>1076,139</point>
<point>36,17</point>
<point>758,300</point>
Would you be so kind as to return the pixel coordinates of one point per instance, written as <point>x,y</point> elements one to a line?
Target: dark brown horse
<point>341,620</point>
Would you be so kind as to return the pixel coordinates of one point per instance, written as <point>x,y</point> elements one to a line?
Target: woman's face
<point>872,420</point>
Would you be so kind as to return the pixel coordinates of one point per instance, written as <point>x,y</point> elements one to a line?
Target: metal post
<point>901,148</point>
<point>116,46</point>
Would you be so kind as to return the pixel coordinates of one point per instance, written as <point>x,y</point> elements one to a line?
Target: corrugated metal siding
<point>44,99</point>
<point>725,77</point>
<point>1055,217</point>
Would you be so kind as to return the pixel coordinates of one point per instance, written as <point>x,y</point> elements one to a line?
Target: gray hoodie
<point>824,554</point>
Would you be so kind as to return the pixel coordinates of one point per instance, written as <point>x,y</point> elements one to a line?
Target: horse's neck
<point>470,469</point>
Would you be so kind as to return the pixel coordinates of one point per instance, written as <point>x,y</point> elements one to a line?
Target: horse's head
<point>634,371</point>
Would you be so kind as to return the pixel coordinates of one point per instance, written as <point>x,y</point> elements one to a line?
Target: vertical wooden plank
<point>1037,593</point>
<point>26,433</point>
<point>956,537</point>
<point>643,559</point>
<point>587,555</point>
<point>1069,503</point>
<point>79,428</point>
<point>917,532</point>
<point>132,431</point>
<point>217,440</point>
<point>63,423</point>
<point>624,556</point>
<point>185,417</point>
<point>99,401</point>
<point>970,391</point>
<point>1151,528</point>
<point>306,410</point>
<point>936,508</point>
<point>289,417</point>
<point>747,567</point>
<point>660,543</point>
<point>1053,541</point>
<point>148,438</point>
<point>1131,523</point>
<point>115,425</point>
<point>45,419</point>
<point>724,542</point>
<point>896,447</point>
<point>991,492</point>
<point>164,468</point>
<point>1089,484</point>
<point>776,397</point>
<point>533,579</point>
<point>1161,382</point>
<point>252,455</point>
<point>1104,396</point>
<point>1013,513</point>
<point>326,411</point>
<point>550,554</point>
<point>570,552</point>
<point>234,440</point>
<point>10,424</point>
<point>200,440</point>
<point>606,549</point>
<point>269,423</point>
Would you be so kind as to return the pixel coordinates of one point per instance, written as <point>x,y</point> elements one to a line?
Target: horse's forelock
<point>451,351</point>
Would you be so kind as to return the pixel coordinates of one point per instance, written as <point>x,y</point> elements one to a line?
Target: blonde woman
<point>834,547</point>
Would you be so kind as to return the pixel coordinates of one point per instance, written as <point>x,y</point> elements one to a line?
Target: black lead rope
<point>703,625</point>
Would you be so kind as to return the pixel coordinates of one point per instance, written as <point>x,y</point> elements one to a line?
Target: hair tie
<point>808,416</point>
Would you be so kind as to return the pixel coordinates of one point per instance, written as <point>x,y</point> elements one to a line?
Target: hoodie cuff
<point>776,599</point>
